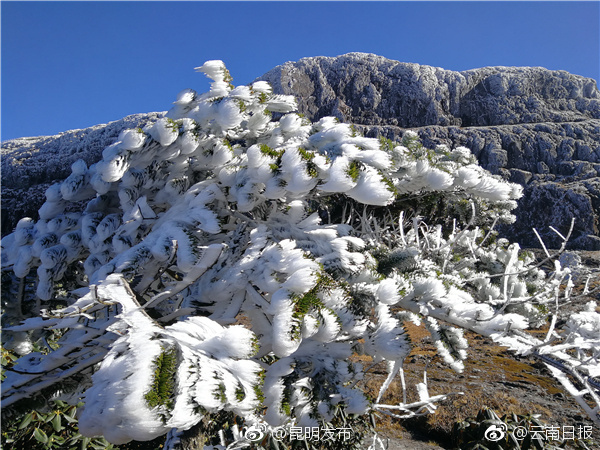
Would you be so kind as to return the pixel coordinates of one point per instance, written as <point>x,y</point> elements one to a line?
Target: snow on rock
<point>31,164</point>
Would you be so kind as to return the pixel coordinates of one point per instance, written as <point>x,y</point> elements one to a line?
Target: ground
<point>493,377</point>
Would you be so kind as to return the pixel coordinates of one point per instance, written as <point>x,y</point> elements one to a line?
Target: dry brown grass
<point>487,368</point>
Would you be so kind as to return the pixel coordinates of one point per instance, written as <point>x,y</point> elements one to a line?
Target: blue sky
<point>69,65</point>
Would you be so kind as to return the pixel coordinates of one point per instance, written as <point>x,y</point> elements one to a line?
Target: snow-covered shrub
<point>225,260</point>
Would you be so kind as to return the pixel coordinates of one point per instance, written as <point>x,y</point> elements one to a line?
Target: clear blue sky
<point>69,65</point>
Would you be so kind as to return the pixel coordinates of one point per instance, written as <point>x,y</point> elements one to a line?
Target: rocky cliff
<point>536,127</point>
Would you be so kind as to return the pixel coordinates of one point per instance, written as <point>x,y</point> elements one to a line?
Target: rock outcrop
<point>536,127</point>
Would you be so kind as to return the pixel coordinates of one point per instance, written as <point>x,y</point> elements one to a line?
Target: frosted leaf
<point>310,326</point>
<point>107,226</point>
<point>258,122</point>
<point>43,242</point>
<point>290,123</point>
<point>79,167</point>
<point>219,89</point>
<point>53,193</point>
<point>18,342</point>
<point>387,292</point>
<point>300,281</point>
<point>295,173</point>
<point>210,338</point>
<point>122,415</point>
<point>329,329</point>
<point>504,322</point>
<point>462,154</point>
<point>338,179</point>
<point>281,104</point>
<point>221,155</point>
<point>72,239</point>
<point>63,223</point>
<point>24,231</point>
<point>493,189</point>
<point>112,170</point>
<point>163,248</point>
<point>371,189</point>
<point>428,289</point>
<point>275,188</point>
<point>98,183</point>
<point>128,197</point>
<point>389,340</point>
<point>228,114</point>
<point>203,113</point>
<point>409,136</point>
<point>241,93</point>
<point>356,403</point>
<point>262,87</point>
<point>214,69</point>
<point>25,222</point>
<point>259,165</point>
<point>188,143</point>
<point>375,158</point>
<point>24,262</point>
<point>206,220</point>
<point>185,97</point>
<point>586,323</point>
<point>45,288</point>
<point>53,256</point>
<point>51,209</point>
<point>165,131</point>
<point>282,310</point>
<point>467,177</point>
<point>132,139</point>
<point>450,343</point>
<point>439,180</point>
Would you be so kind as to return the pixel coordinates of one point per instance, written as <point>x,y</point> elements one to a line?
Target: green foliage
<point>354,170</point>
<point>228,144</point>
<point>268,151</point>
<point>161,391</point>
<point>56,428</point>
<point>173,125</point>
<point>221,394</point>
<point>401,260</point>
<point>228,78</point>
<point>386,144</point>
<point>8,360</point>
<point>310,301</point>
<point>305,303</point>
<point>307,156</point>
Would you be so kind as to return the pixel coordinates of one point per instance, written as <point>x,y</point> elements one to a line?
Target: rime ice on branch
<point>233,209</point>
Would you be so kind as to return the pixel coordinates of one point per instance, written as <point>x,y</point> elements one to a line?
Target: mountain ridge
<point>534,126</point>
<point>530,125</point>
<point>384,91</point>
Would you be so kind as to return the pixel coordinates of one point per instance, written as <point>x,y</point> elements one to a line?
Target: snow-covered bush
<point>233,256</point>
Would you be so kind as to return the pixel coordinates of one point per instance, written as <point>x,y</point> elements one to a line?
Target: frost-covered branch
<point>227,260</point>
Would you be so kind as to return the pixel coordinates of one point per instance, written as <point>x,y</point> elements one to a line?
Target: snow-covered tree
<point>233,256</point>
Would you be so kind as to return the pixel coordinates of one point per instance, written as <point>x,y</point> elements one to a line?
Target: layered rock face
<point>536,127</point>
